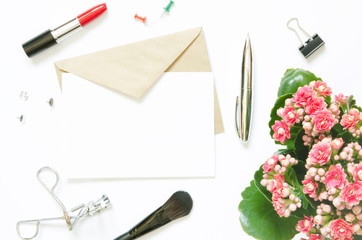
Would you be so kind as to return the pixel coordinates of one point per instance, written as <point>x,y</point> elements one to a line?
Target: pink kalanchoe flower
<point>337,143</point>
<point>341,230</point>
<point>322,89</point>
<point>350,217</point>
<point>284,192</point>
<point>340,98</point>
<point>310,187</point>
<point>302,95</point>
<point>335,177</point>
<point>315,237</point>
<point>350,120</point>
<point>278,203</point>
<point>276,183</point>
<point>318,219</point>
<point>320,153</point>
<point>354,111</point>
<point>334,108</point>
<point>357,172</point>
<point>270,163</point>
<point>352,193</point>
<point>290,115</point>
<point>315,104</point>
<point>305,225</point>
<point>323,120</point>
<point>281,131</point>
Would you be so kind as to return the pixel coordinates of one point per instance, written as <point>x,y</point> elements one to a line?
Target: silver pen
<point>243,107</point>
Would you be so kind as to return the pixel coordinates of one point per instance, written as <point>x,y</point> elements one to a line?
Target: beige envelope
<point>132,69</point>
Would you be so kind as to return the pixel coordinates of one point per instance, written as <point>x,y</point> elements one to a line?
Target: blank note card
<point>167,133</point>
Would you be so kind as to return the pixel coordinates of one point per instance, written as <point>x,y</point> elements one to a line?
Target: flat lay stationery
<point>132,69</point>
<point>159,116</point>
<point>140,106</point>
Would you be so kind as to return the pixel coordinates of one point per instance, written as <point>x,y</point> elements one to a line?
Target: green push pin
<point>167,8</point>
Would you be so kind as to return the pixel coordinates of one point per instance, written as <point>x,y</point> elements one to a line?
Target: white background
<point>26,148</point>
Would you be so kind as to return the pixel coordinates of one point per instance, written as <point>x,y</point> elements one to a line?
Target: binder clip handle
<point>311,44</point>
<point>295,30</point>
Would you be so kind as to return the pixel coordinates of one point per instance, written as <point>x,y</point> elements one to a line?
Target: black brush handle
<point>124,236</point>
<point>155,220</point>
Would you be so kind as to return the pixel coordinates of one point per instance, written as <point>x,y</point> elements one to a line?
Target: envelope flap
<point>194,59</point>
<point>132,68</point>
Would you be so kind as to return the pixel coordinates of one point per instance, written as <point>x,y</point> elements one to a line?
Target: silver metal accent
<point>21,118</point>
<point>96,207</point>
<point>295,30</point>
<point>243,106</point>
<point>51,191</point>
<point>51,102</point>
<point>23,96</point>
<point>67,29</point>
<point>84,210</point>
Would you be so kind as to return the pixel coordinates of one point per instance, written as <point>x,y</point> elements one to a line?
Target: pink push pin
<point>143,19</point>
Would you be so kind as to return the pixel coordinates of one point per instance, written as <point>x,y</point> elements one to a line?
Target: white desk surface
<point>26,148</point>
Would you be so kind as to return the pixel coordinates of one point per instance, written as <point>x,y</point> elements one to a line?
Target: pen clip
<point>237,127</point>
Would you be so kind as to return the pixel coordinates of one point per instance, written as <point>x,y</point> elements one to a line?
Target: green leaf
<point>328,100</point>
<point>346,136</point>
<point>357,237</point>
<point>301,151</point>
<point>285,152</point>
<point>300,170</point>
<point>336,130</point>
<point>359,141</point>
<point>292,177</point>
<point>294,131</point>
<point>350,102</point>
<point>259,219</point>
<point>293,79</point>
<point>258,176</point>
<point>357,107</point>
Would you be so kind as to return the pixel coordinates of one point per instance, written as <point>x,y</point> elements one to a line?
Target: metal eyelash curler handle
<point>51,191</point>
<point>84,210</point>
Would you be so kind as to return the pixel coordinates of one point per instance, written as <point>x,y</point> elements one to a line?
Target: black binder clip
<point>311,45</point>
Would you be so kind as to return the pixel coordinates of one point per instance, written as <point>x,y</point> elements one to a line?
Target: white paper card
<point>167,133</point>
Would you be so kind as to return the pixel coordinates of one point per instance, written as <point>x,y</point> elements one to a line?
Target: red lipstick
<point>53,36</point>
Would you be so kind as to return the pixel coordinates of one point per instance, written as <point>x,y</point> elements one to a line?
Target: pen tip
<point>244,140</point>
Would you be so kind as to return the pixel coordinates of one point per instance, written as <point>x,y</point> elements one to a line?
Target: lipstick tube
<point>51,37</point>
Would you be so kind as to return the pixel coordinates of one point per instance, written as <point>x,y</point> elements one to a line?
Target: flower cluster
<point>311,108</point>
<point>284,196</point>
<point>332,181</point>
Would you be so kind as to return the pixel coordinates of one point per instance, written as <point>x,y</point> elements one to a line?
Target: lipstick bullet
<point>51,37</point>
